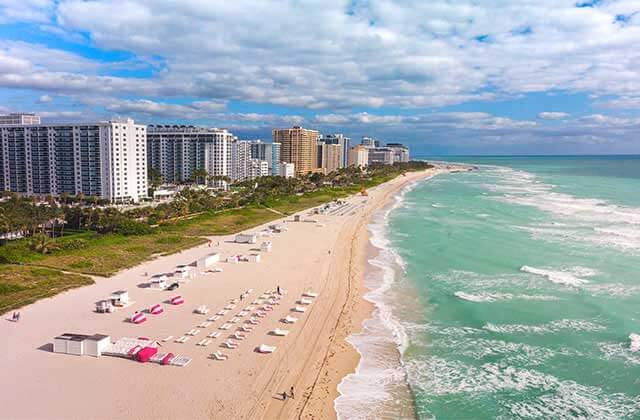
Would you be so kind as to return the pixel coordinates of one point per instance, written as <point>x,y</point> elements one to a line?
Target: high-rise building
<point>240,157</point>
<point>400,152</point>
<point>344,143</point>
<point>329,157</point>
<point>258,168</point>
<point>286,170</point>
<point>269,152</point>
<point>359,156</point>
<point>298,146</point>
<point>176,151</point>
<point>369,142</point>
<point>103,159</point>
<point>19,119</point>
<point>381,156</point>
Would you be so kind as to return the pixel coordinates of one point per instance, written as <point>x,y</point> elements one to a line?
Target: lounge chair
<point>310,294</point>
<point>263,348</point>
<point>289,319</point>
<point>213,318</point>
<point>246,328</point>
<point>304,301</point>
<point>279,332</point>
<point>238,335</point>
<point>219,356</point>
<point>230,344</point>
<point>261,314</point>
<point>224,326</point>
<point>205,324</point>
<point>164,340</point>
<point>299,309</point>
<point>214,334</point>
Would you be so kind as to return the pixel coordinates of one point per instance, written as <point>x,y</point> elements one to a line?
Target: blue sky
<point>488,77</point>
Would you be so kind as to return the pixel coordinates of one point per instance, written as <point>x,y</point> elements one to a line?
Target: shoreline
<point>345,358</point>
<point>313,358</point>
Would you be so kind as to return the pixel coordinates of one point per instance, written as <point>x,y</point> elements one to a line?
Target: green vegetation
<point>77,235</point>
<point>22,285</point>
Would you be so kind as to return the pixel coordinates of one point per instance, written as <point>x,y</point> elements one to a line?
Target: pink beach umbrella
<point>138,318</point>
<point>177,300</point>
<point>156,309</point>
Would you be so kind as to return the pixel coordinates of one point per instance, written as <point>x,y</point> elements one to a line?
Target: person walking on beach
<point>284,396</point>
<point>291,393</point>
<point>278,289</point>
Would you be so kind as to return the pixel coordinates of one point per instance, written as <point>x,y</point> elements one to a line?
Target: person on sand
<point>241,297</point>
<point>278,289</point>
<point>284,396</point>
<point>291,393</point>
<point>17,316</point>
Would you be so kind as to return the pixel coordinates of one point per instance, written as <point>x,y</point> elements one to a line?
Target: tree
<point>155,180</point>
<point>200,174</point>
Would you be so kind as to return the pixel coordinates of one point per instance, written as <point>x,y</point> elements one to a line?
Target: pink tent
<point>156,309</point>
<point>177,300</point>
<point>138,318</point>
<point>145,354</point>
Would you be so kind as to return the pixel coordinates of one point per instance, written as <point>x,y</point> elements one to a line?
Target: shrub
<point>130,227</point>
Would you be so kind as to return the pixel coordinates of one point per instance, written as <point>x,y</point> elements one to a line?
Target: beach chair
<point>238,335</point>
<point>261,314</point>
<point>289,319</point>
<point>263,348</point>
<point>299,309</point>
<point>164,340</point>
<point>234,320</point>
<point>304,301</point>
<point>310,294</point>
<point>214,334</point>
<point>246,328</point>
<point>224,326</point>
<point>213,318</point>
<point>201,342</point>
<point>230,344</point>
<point>279,332</point>
<point>205,324</point>
<point>219,356</point>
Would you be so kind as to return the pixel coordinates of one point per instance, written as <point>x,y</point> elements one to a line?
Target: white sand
<point>37,383</point>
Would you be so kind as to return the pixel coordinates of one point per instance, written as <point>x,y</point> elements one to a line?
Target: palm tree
<point>199,174</point>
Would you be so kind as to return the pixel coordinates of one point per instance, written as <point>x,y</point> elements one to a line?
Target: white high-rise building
<point>269,152</point>
<point>105,159</point>
<point>240,159</point>
<point>359,156</point>
<point>176,151</point>
<point>400,152</point>
<point>286,170</point>
<point>258,168</point>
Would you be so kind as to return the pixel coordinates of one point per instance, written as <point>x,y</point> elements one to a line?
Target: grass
<point>22,285</point>
<point>26,276</point>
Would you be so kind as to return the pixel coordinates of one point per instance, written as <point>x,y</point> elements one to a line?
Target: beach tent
<point>156,309</point>
<point>138,317</point>
<point>177,300</point>
<point>145,354</point>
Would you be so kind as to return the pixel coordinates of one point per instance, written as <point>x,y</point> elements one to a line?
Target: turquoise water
<point>516,290</point>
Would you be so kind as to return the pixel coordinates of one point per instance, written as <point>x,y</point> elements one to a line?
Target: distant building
<point>19,119</point>
<point>369,142</point>
<point>298,146</point>
<point>381,156</point>
<point>104,159</point>
<point>176,151</point>
<point>269,152</point>
<point>358,156</point>
<point>240,160</point>
<point>344,143</point>
<point>329,157</point>
<point>286,170</point>
<point>258,168</point>
<point>400,152</point>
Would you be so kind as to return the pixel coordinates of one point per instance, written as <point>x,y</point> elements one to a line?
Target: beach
<point>323,253</point>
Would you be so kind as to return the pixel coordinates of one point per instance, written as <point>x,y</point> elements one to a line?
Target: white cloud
<point>45,99</point>
<point>383,53</point>
<point>553,115</point>
<point>194,110</point>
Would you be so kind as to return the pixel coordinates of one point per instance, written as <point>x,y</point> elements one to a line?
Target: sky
<point>443,76</point>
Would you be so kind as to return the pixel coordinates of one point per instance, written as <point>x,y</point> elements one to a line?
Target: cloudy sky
<point>445,76</point>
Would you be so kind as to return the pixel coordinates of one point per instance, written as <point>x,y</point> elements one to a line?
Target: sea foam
<point>569,278</point>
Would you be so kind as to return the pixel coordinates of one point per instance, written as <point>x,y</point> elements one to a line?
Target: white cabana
<point>246,238</point>
<point>266,246</point>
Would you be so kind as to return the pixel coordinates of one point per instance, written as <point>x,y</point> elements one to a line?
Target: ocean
<point>508,292</point>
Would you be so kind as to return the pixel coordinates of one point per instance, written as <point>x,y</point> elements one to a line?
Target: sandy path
<point>313,357</point>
